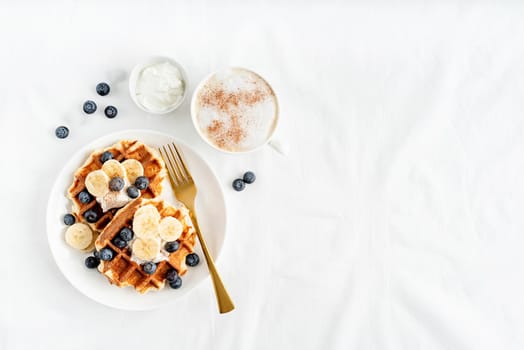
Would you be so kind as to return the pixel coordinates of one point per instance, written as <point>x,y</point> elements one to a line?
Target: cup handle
<point>279,146</point>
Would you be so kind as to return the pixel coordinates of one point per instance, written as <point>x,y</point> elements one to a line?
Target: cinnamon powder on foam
<point>229,104</point>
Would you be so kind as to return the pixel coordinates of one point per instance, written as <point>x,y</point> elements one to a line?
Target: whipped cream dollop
<point>161,254</point>
<point>160,86</point>
<point>98,183</point>
<point>115,199</point>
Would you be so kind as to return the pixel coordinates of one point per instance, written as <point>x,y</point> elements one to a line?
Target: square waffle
<point>154,170</point>
<point>121,270</point>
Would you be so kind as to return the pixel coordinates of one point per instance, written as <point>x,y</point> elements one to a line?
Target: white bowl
<point>135,73</point>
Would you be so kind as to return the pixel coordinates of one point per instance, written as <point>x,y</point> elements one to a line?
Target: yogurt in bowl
<point>158,86</point>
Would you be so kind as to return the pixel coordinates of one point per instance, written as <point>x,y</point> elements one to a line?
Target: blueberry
<point>106,254</point>
<point>239,185</point>
<point>249,177</point>
<point>172,246</point>
<point>106,156</point>
<point>177,283</point>
<point>133,192</point>
<point>110,112</point>
<point>192,259</point>
<point>89,107</point>
<point>62,132</point>
<point>84,197</point>
<point>141,182</point>
<point>149,268</point>
<point>69,219</point>
<point>119,242</point>
<point>116,184</point>
<point>102,89</point>
<point>91,216</point>
<point>171,275</point>
<point>96,254</point>
<point>126,234</point>
<point>92,262</point>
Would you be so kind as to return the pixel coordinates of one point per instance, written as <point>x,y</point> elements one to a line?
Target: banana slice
<point>170,229</point>
<point>133,168</point>
<point>79,236</point>
<point>145,224</point>
<point>146,248</point>
<point>97,183</point>
<point>113,168</point>
<point>149,210</point>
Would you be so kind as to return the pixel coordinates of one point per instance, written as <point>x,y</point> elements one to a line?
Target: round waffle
<point>121,270</point>
<point>154,170</point>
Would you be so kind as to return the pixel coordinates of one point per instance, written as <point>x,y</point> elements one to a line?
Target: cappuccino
<point>235,110</point>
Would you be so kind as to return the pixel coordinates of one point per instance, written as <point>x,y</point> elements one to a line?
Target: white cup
<point>277,145</point>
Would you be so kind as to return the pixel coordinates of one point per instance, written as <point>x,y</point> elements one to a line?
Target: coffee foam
<point>236,110</point>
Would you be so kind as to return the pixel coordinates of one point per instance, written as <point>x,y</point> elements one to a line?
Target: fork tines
<point>176,166</point>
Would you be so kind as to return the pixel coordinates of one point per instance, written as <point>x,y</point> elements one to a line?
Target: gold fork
<point>185,191</point>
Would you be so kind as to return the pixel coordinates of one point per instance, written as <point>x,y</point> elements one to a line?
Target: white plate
<point>211,210</point>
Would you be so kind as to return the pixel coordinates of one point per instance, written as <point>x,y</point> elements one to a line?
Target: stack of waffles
<point>137,238</point>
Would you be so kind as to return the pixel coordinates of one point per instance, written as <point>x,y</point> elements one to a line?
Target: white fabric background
<point>395,222</point>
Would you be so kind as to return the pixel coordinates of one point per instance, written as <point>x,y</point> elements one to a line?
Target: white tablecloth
<point>394,222</point>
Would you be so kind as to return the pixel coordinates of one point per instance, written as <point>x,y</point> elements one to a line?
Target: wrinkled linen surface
<point>395,221</point>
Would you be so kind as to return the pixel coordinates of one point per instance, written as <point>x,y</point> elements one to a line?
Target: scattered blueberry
<point>62,132</point>
<point>172,246</point>
<point>126,234</point>
<point>69,219</point>
<point>171,275</point>
<point>239,185</point>
<point>96,254</point>
<point>89,107</point>
<point>116,184</point>
<point>91,216</point>
<point>92,262</point>
<point>106,254</point>
<point>177,283</point>
<point>119,242</point>
<point>102,89</point>
<point>84,197</point>
<point>192,259</point>
<point>141,182</point>
<point>133,192</point>
<point>149,268</point>
<point>106,156</point>
<point>110,111</point>
<point>249,177</point>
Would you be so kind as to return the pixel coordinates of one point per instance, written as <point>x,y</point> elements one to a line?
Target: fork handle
<point>225,304</point>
